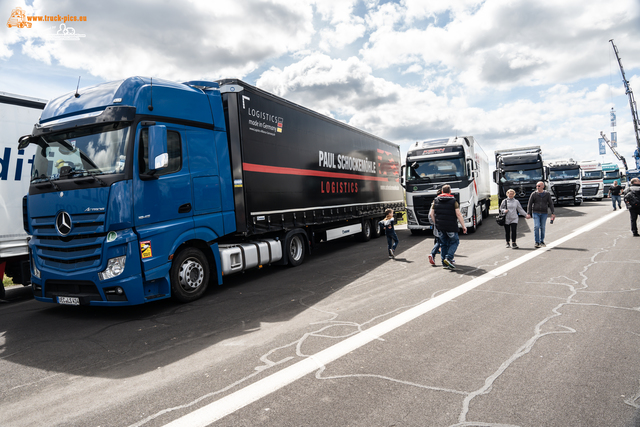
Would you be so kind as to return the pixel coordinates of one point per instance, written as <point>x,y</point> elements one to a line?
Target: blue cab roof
<point>170,99</point>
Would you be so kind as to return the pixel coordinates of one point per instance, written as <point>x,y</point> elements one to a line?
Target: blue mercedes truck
<point>144,189</point>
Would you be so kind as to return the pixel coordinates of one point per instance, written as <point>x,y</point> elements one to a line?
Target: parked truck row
<point>143,189</point>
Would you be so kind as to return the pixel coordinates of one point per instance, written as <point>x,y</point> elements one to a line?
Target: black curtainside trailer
<point>295,168</point>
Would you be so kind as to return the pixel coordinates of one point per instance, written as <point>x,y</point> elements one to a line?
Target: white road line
<point>254,392</point>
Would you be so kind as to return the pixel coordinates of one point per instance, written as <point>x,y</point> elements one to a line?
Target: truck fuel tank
<point>239,257</point>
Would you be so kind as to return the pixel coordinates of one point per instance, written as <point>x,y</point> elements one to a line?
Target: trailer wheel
<point>376,231</point>
<point>365,234</point>
<point>294,245</point>
<point>189,275</point>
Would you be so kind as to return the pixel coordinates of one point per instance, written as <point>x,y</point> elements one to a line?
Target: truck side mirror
<point>546,173</point>
<point>24,141</point>
<point>496,176</point>
<point>158,156</point>
<point>402,169</point>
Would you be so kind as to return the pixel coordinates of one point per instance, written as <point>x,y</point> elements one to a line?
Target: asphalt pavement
<point>512,337</point>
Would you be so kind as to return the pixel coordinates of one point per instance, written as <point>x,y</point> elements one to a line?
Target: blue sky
<point>510,72</point>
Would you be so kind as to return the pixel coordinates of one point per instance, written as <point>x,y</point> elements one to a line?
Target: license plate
<point>69,300</point>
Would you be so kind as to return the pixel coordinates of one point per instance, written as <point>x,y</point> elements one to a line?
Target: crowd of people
<point>445,216</point>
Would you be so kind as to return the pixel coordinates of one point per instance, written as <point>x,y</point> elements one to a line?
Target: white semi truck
<point>17,116</point>
<point>457,161</point>
<point>592,180</point>
<point>565,181</point>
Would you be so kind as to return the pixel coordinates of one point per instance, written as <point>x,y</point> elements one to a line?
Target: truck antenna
<point>151,96</point>
<point>77,95</point>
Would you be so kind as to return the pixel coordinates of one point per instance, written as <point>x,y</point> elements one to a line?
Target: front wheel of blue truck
<point>189,275</point>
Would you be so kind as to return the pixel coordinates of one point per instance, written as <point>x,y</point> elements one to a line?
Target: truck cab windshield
<point>612,174</point>
<point>561,175</point>
<point>592,175</point>
<point>96,150</point>
<point>523,175</point>
<point>436,170</point>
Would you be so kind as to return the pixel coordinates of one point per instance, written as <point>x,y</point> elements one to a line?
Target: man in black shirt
<point>614,192</point>
<point>445,214</point>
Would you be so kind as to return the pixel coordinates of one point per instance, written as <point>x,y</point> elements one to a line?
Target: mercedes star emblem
<point>63,223</point>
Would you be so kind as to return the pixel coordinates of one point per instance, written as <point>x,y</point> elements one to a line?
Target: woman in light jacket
<point>512,207</point>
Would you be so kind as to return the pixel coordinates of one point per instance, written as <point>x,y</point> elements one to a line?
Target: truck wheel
<point>189,275</point>
<point>577,203</point>
<point>365,234</point>
<point>294,245</point>
<point>375,228</point>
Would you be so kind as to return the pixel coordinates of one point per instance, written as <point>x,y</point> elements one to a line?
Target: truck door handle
<point>186,208</point>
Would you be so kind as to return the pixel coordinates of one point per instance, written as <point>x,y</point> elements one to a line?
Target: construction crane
<point>615,152</point>
<point>632,101</point>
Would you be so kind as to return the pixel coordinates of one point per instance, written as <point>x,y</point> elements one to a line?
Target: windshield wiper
<point>85,172</point>
<point>447,176</point>
<point>48,180</point>
<point>420,179</point>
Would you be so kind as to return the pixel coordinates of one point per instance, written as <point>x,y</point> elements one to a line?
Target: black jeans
<point>511,230</point>
<point>634,218</point>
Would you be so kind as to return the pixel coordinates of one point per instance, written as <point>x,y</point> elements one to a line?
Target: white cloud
<point>511,72</point>
<point>504,43</point>
<point>174,40</point>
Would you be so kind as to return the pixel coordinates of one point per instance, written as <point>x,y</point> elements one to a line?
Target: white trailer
<point>592,180</point>
<point>18,114</point>
<point>457,161</point>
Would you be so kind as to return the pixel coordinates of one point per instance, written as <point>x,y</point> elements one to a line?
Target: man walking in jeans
<point>539,205</point>
<point>445,214</point>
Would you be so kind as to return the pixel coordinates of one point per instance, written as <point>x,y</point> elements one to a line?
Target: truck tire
<point>365,234</point>
<point>375,228</point>
<point>577,202</point>
<point>189,275</point>
<point>295,248</point>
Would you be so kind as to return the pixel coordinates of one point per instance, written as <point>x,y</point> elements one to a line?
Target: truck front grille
<point>589,191</point>
<point>80,249</point>
<point>564,190</point>
<point>422,206</point>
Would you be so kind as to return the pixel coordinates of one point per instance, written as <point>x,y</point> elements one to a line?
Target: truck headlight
<point>35,272</point>
<point>115,267</point>
<point>464,211</point>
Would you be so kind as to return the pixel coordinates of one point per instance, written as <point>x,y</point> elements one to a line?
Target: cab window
<point>174,150</point>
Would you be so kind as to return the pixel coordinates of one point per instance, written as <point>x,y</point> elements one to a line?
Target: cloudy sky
<point>510,72</point>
